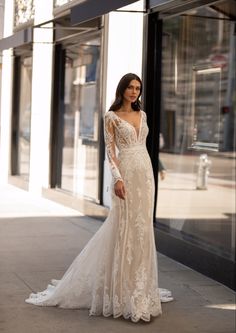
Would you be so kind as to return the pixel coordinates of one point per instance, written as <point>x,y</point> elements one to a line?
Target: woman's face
<point>132,92</point>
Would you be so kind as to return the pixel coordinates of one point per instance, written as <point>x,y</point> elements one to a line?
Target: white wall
<point>124,55</point>
<point>41,98</point>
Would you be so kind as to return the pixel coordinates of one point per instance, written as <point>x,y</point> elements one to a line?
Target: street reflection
<point>80,171</point>
<point>196,200</point>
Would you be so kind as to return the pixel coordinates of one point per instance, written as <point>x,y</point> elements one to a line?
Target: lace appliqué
<point>109,136</point>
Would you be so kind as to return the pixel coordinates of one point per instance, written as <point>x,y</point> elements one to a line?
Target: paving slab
<point>41,242</point>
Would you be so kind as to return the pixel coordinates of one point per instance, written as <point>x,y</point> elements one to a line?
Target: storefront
<point>21,115</point>
<point>190,98</point>
<point>85,75</point>
<point>77,113</point>
<point>16,85</point>
<point>62,71</point>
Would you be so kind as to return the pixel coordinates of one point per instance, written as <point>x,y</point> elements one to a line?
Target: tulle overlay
<point>116,272</point>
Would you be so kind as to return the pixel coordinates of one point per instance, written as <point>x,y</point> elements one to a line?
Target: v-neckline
<point>140,124</point>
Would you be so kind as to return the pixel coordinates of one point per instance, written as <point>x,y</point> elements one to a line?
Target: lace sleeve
<point>109,136</point>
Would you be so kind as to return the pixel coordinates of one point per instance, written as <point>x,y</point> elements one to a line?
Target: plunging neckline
<point>134,128</point>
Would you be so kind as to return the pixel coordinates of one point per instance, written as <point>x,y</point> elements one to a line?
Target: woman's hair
<point>122,86</point>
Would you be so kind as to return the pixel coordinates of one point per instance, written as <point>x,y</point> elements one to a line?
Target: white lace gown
<point>116,272</point>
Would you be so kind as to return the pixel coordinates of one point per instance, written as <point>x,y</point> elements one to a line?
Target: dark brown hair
<point>122,86</point>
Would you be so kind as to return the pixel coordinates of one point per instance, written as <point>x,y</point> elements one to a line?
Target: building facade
<point>61,63</point>
<point>1,36</point>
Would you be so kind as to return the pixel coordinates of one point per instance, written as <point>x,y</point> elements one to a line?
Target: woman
<point>116,273</point>
<point>161,170</point>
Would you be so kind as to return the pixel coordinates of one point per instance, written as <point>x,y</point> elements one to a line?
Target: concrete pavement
<point>38,241</point>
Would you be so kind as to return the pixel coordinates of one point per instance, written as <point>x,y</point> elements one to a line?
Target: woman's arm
<point>109,135</point>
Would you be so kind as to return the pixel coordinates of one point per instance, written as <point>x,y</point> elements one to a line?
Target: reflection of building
<point>57,86</point>
<point>194,108</point>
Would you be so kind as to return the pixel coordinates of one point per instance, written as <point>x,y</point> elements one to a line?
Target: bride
<point>116,272</point>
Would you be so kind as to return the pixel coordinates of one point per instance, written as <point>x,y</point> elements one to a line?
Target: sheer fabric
<point>116,273</point>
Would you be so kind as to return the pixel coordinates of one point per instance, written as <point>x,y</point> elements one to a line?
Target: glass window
<point>80,165</point>
<point>24,11</point>
<point>24,118</point>
<point>196,200</point>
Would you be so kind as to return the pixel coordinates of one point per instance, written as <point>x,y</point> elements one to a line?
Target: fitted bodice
<point>123,135</point>
<point>126,135</point>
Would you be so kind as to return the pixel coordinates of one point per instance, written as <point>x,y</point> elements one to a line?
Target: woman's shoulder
<point>112,115</point>
<point>143,113</point>
<point>109,116</point>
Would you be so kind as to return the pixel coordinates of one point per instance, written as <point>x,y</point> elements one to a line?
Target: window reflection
<point>81,114</point>
<point>24,11</point>
<point>198,117</point>
<point>24,117</point>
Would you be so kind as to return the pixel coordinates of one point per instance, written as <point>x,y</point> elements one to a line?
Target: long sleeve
<point>109,136</point>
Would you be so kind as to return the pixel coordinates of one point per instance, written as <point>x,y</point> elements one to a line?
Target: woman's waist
<point>132,149</point>
<point>134,158</point>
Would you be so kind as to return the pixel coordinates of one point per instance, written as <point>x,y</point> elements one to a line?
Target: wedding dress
<point>116,272</point>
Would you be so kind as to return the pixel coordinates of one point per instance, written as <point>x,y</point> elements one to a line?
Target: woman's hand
<point>119,189</point>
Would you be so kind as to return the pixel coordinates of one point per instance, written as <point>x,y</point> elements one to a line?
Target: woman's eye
<point>136,88</point>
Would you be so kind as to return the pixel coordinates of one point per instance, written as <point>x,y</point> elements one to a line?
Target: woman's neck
<point>126,107</point>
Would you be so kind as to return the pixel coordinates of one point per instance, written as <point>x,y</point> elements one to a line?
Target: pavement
<point>38,241</point>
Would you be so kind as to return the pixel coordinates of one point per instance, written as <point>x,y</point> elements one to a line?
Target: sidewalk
<point>38,241</point>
